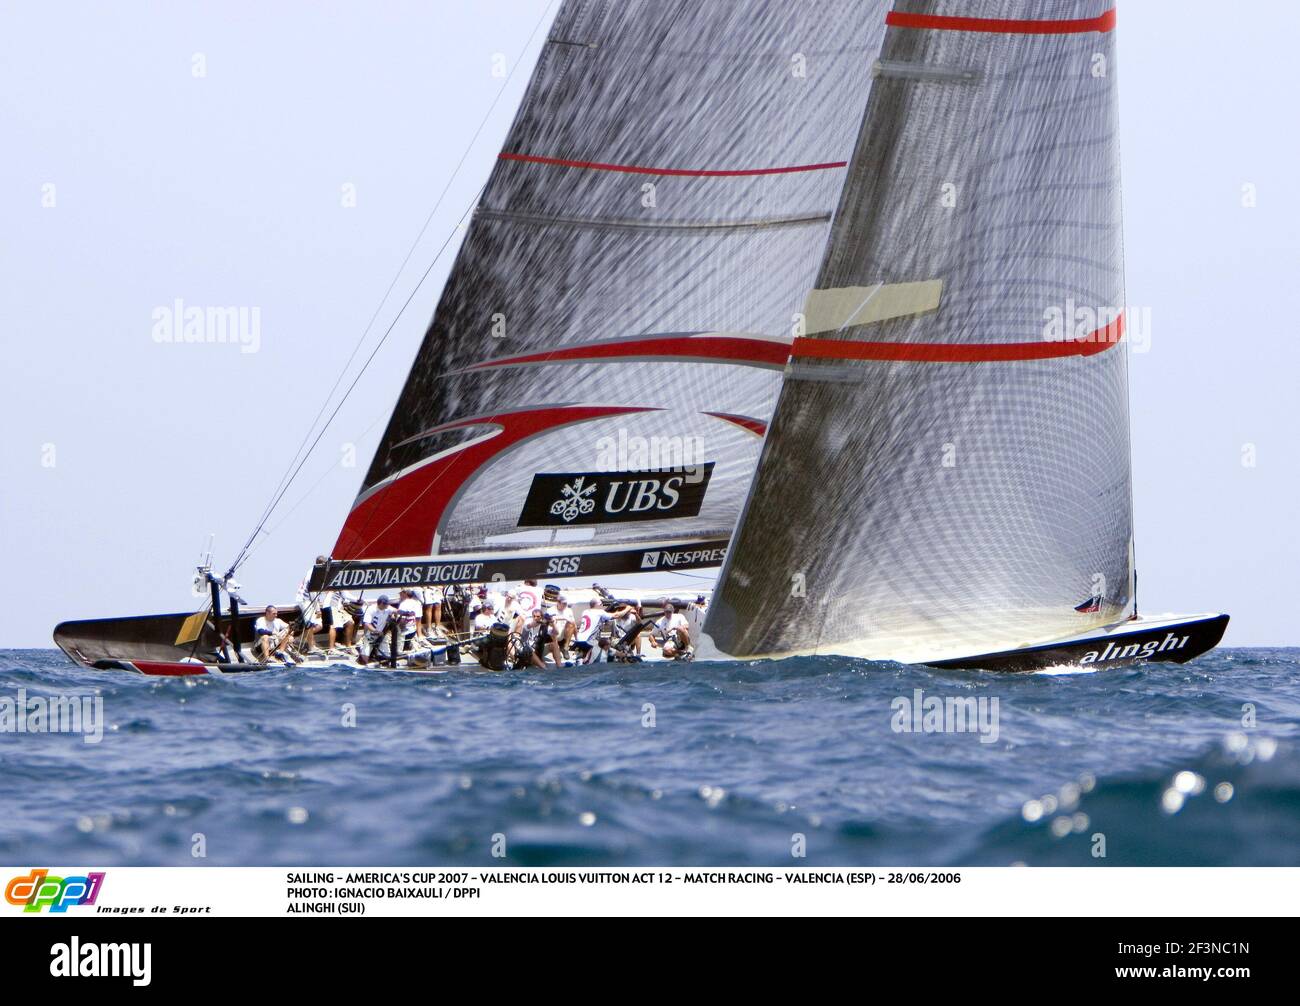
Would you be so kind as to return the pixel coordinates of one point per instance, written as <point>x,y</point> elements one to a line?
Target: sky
<point>284,156</point>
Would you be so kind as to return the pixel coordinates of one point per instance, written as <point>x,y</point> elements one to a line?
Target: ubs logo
<point>614,497</point>
<point>575,501</point>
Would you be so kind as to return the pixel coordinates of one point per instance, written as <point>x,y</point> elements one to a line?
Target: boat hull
<point>186,669</point>
<point>1158,640</point>
<point>145,645</point>
<point>149,638</point>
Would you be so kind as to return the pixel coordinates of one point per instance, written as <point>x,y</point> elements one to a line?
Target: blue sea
<point>679,764</point>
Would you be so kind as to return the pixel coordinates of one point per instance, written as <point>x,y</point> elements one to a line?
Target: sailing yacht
<point>823,298</point>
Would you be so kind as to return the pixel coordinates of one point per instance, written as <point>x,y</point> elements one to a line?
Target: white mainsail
<point>624,301</point>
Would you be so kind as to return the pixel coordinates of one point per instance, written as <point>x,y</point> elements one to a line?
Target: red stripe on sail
<point>755,426</point>
<point>920,352</point>
<point>1002,26</point>
<point>747,352</point>
<point>401,518</point>
<point>634,169</point>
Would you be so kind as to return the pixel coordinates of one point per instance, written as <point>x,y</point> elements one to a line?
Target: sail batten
<point>615,223</point>
<point>640,169</point>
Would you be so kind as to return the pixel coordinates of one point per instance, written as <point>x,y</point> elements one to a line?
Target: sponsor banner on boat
<point>573,498</point>
<point>388,574</point>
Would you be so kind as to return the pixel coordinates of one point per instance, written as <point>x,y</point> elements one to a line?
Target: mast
<point>947,470</point>
<point>592,392</point>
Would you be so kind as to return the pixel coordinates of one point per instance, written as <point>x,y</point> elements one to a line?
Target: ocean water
<point>678,764</point>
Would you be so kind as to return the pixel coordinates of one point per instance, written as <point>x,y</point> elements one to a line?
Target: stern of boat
<point>1146,639</point>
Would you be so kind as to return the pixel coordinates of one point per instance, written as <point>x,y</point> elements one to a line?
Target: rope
<point>295,465</point>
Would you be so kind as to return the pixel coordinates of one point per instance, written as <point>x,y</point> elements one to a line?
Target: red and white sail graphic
<point>631,283</point>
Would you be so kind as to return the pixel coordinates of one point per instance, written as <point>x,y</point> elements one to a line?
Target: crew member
<point>562,623</point>
<point>409,612</point>
<point>527,596</point>
<point>312,619</point>
<point>590,624</point>
<point>675,630</point>
<point>486,618</point>
<point>629,630</point>
<point>375,623</point>
<point>271,633</point>
<point>334,613</point>
<point>432,599</point>
<point>533,638</point>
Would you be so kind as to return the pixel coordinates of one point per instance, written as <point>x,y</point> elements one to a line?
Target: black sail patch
<point>574,498</point>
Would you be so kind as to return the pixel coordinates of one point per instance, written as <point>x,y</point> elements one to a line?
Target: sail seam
<point>617,223</point>
<point>636,169</point>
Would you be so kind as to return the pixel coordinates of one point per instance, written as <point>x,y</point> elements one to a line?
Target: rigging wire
<point>676,16</point>
<point>244,552</point>
<point>427,488</point>
<point>291,472</point>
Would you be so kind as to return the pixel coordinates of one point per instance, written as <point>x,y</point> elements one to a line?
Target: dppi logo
<point>39,890</point>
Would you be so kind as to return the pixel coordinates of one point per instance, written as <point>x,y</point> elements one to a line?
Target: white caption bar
<point>411,891</point>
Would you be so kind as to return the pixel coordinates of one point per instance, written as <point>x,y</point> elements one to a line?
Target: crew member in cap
<point>375,622</point>
<point>486,617</point>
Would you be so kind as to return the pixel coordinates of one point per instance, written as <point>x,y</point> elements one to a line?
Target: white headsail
<point>947,471</point>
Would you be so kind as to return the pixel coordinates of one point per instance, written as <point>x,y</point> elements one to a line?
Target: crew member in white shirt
<point>485,619</point>
<point>409,612</point>
<point>563,623</point>
<point>492,593</point>
<point>675,629</point>
<point>589,627</point>
<point>310,606</point>
<point>509,612</point>
<point>271,632</point>
<point>375,622</point>
<point>528,597</point>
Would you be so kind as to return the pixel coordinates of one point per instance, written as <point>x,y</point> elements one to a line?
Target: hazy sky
<point>205,151</point>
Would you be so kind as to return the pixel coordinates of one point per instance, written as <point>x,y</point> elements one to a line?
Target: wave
<point>1238,804</point>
